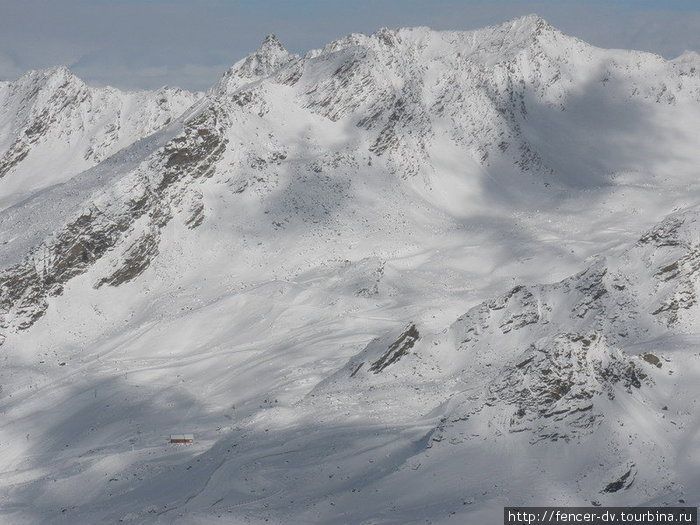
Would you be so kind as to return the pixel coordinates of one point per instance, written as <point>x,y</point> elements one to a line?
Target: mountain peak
<point>385,36</point>
<point>270,56</point>
<point>690,58</point>
<point>271,52</point>
<point>271,42</point>
<point>57,74</point>
<point>532,26</point>
<point>43,83</point>
<point>531,23</point>
<point>532,19</point>
<point>504,41</point>
<point>61,71</point>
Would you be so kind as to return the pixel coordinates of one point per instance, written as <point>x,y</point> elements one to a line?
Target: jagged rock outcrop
<point>127,223</point>
<point>550,358</point>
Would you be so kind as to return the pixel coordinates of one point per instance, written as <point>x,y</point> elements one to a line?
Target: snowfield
<point>411,277</point>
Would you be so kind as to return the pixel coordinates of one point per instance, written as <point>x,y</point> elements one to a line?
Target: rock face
<point>560,344</point>
<point>127,223</point>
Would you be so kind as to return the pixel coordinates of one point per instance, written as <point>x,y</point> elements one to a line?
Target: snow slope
<point>284,271</point>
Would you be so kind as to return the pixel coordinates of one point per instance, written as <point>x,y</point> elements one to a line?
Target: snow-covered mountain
<point>284,270</point>
<point>53,126</point>
<point>582,391</point>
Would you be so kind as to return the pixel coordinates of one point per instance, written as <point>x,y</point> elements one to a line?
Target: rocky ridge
<point>390,86</point>
<point>52,116</point>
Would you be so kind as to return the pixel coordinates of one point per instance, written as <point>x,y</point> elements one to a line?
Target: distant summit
<point>271,42</point>
<point>270,56</point>
<point>51,113</point>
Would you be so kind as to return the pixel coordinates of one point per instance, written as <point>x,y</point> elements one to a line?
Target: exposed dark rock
<point>665,234</point>
<point>193,154</point>
<point>397,349</point>
<point>357,369</point>
<point>196,214</point>
<point>25,287</point>
<point>652,359</point>
<point>623,482</point>
<point>135,260</point>
<point>555,387</point>
<point>13,156</point>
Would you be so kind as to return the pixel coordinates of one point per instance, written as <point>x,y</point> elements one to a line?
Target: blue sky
<point>189,43</point>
